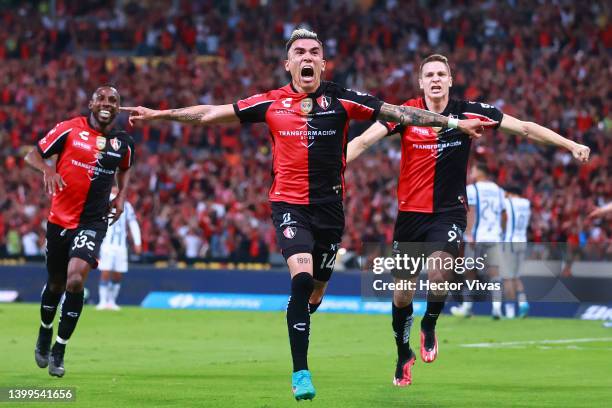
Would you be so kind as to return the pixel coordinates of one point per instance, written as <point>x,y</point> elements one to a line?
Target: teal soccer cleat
<point>301,384</point>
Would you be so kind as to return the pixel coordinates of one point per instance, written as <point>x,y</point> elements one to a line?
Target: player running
<point>518,213</point>
<point>431,191</point>
<point>114,255</point>
<point>90,154</point>
<point>308,123</point>
<point>484,232</point>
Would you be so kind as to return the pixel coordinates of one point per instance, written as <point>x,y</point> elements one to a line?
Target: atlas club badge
<point>115,144</point>
<point>306,105</point>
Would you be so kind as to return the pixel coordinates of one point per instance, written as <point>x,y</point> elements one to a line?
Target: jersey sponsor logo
<point>436,148</point>
<point>290,232</point>
<point>84,135</point>
<point>420,130</point>
<point>324,101</point>
<point>286,102</point>
<point>300,326</point>
<point>306,105</point>
<point>115,143</point>
<point>113,154</point>
<point>287,220</point>
<point>100,142</point>
<point>91,169</point>
<point>81,145</point>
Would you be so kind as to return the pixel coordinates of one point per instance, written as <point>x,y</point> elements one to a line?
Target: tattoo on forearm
<point>303,260</point>
<point>408,115</point>
<point>182,115</point>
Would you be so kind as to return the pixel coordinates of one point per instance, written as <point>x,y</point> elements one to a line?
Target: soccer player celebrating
<point>114,255</point>
<point>308,122</point>
<point>90,154</point>
<point>432,191</point>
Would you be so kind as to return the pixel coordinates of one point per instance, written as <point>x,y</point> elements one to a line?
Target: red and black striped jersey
<point>309,137</point>
<point>87,161</point>
<point>434,165</point>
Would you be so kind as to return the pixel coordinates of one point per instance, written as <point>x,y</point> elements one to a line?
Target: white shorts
<point>113,258</point>
<point>513,255</point>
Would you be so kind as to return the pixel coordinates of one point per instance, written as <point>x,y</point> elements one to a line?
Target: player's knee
<point>303,282</point>
<point>402,298</point>
<point>75,283</point>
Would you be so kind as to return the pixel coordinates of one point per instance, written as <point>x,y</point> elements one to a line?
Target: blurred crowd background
<point>202,192</point>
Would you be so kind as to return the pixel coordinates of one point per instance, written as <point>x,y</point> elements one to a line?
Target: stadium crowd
<point>202,192</point>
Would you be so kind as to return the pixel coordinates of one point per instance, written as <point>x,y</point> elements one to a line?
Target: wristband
<point>453,123</point>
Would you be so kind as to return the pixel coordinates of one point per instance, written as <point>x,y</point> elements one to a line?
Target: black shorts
<point>310,228</point>
<point>424,233</point>
<point>82,242</point>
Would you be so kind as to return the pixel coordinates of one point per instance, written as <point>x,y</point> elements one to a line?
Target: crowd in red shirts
<point>202,192</point>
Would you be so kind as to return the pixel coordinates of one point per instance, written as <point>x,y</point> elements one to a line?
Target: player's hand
<point>137,249</point>
<point>581,152</point>
<point>116,208</point>
<point>53,182</point>
<point>139,113</point>
<point>474,127</point>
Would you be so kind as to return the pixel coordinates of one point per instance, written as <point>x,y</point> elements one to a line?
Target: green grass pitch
<point>171,358</point>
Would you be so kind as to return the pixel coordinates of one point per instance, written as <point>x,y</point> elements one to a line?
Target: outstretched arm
<point>409,115</point>
<point>543,135</point>
<point>601,211</point>
<point>362,142</point>
<point>199,115</point>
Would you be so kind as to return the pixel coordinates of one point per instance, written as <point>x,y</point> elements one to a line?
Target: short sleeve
<point>253,109</point>
<point>53,142</point>
<point>483,111</point>
<point>359,105</point>
<point>471,194</point>
<point>128,157</point>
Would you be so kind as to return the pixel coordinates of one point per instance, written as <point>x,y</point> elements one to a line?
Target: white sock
<point>114,292</point>
<point>522,298</point>
<point>103,292</point>
<point>497,308</point>
<point>510,311</point>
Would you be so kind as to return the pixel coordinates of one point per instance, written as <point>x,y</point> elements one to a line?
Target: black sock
<point>71,310</point>
<point>402,322</point>
<point>435,304</point>
<point>312,307</point>
<point>48,305</point>
<point>298,319</point>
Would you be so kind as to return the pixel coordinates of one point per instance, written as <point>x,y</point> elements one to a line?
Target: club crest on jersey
<point>306,105</point>
<point>115,143</point>
<point>324,102</point>
<point>289,232</point>
<point>100,142</point>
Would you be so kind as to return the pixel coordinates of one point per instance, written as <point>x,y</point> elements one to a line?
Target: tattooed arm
<point>200,114</point>
<point>408,115</point>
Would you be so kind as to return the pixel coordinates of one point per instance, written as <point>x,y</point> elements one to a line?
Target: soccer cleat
<point>403,371</point>
<point>496,316</point>
<point>523,309</point>
<point>43,345</point>
<point>608,324</point>
<point>101,306</point>
<point>56,363</point>
<point>301,384</point>
<point>113,306</point>
<point>461,311</point>
<point>429,346</point>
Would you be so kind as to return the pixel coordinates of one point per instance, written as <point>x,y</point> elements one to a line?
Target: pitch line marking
<point>532,342</point>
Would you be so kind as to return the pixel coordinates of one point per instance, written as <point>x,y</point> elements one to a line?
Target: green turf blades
<point>186,358</point>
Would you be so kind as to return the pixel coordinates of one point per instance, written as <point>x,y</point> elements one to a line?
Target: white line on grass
<point>531,342</point>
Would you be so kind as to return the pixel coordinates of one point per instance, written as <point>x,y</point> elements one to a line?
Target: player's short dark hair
<point>302,34</point>
<point>483,168</point>
<point>435,57</point>
<point>93,95</point>
<point>514,189</point>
